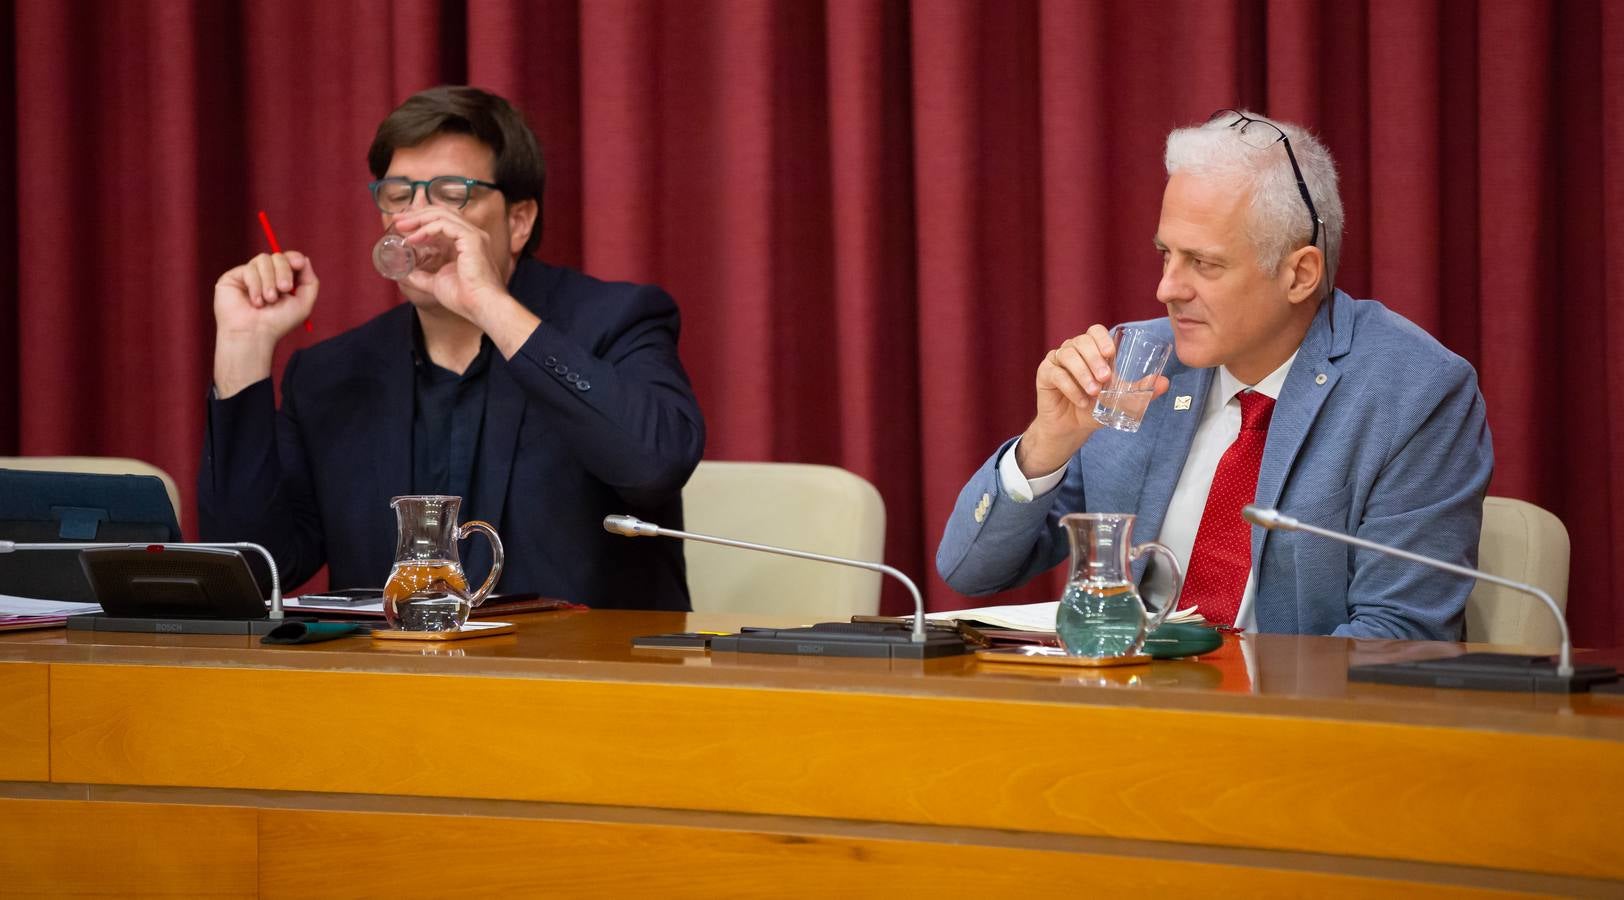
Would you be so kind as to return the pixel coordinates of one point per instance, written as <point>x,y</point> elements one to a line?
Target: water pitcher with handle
<point>1101,615</point>
<point>427,590</point>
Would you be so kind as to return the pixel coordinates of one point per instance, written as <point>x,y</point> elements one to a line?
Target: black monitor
<point>74,506</point>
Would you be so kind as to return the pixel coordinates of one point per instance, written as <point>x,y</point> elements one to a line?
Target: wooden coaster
<point>470,630</point>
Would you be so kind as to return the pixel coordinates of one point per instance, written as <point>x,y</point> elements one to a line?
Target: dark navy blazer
<point>594,415</point>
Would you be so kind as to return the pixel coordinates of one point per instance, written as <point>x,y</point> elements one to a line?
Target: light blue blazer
<point>1379,431</point>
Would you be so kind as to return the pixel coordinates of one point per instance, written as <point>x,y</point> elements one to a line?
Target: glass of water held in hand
<point>1140,357</point>
<point>395,259</point>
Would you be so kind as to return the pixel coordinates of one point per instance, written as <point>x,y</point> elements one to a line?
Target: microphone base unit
<point>846,639</point>
<point>1487,672</point>
<point>105,623</point>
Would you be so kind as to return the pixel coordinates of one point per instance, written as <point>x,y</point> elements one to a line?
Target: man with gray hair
<point>1283,391</point>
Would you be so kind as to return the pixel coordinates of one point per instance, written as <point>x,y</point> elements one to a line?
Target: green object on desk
<point>1174,639</point>
<point>311,632</point>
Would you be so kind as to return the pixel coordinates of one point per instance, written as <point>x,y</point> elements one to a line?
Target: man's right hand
<point>255,305</point>
<point>1069,380</point>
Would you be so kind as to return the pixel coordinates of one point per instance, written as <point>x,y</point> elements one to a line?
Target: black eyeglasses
<point>395,195</point>
<point>1263,135</point>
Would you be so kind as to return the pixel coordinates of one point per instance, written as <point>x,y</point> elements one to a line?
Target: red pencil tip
<point>270,236</point>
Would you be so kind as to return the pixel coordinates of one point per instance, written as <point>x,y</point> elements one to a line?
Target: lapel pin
<point>1180,404</point>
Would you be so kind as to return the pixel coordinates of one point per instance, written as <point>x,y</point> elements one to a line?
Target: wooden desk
<point>562,760</point>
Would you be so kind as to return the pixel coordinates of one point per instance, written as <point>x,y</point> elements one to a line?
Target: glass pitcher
<point>1100,612</point>
<point>427,590</point>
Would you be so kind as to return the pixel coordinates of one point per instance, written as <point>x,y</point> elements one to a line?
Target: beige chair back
<point>821,509</point>
<point>1524,543</point>
<point>96,465</point>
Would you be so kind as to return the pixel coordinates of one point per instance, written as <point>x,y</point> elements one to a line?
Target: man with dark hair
<point>489,119</point>
<point>544,397</point>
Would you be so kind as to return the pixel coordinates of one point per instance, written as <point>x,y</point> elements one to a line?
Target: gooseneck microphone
<point>631,526</point>
<point>276,578</point>
<point>1275,521</point>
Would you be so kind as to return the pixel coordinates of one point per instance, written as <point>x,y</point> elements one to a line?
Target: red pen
<point>265,223</point>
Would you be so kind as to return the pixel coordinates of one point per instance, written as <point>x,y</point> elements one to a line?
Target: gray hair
<point>1278,220</point>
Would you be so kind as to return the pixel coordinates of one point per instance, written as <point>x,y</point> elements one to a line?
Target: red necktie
<point>1222,554</point>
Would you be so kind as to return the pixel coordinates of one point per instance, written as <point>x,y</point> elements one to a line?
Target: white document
<point>1027,617</point>
<point>1033,616</point>
<point>12,607</point>
<point>375,606</point>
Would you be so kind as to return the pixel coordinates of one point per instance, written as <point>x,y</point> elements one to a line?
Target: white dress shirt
<point>1220,424</point>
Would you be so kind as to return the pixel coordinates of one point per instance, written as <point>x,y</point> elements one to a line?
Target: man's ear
<point>521,220</point>
<point>1305,269</point>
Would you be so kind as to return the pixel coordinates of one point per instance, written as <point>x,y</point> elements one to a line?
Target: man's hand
<point>469,282</point>
<point>1069,380</point>
<point>255,305</point>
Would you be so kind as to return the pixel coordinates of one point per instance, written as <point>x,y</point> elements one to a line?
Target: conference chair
<point>821,509</point>
<point>1524,543</point>
<point>98,465</point>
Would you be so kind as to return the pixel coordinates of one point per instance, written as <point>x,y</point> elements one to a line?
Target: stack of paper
<point>13,607</point>
<point>21,613</point>
<point>373,608</point>
<point>1033,616</point>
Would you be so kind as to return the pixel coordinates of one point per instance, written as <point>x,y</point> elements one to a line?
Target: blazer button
<point>550,361</point>
<point>561,368</point>
<point>572,378</point>
<point>583,385</point>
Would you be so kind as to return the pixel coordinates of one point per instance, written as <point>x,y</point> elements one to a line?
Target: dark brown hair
<point>489,119</point>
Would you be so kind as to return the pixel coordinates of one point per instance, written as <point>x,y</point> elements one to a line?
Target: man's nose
<point>1173,287</point>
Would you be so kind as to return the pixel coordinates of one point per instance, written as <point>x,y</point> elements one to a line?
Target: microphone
<point>631,526</point>
<point>276,577</point>
<point>1274,520</point>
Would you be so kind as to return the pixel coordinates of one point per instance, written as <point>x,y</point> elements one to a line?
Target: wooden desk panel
<point>50,847</point>
<point>24,722</point>
<point>1293,758</point>
<point>187,841</point>
<point>1369,789</point>
<point>1280,675</point>
<point>516,857</point>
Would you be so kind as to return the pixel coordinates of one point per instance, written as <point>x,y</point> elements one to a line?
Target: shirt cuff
<point>1020,488</point>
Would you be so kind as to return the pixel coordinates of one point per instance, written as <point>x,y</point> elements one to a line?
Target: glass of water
<point>395,259</point>
<point>1140,357</point>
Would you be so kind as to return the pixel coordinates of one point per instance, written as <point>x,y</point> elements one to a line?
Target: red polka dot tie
<point>1222,554</point>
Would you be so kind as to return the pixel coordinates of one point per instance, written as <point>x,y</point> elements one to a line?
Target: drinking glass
<point>395,259</point>
<point>1140,357</point>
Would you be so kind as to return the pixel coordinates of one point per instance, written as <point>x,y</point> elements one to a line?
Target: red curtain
<point>876,215</point>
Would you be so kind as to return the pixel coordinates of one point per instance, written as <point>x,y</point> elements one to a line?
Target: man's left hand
<point>469,282</point>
